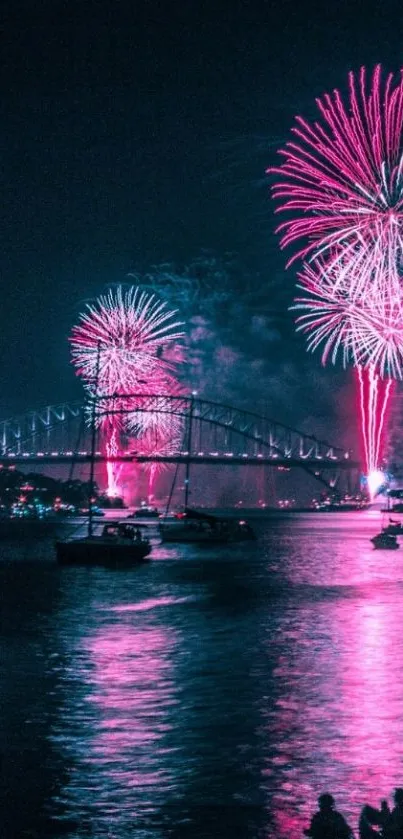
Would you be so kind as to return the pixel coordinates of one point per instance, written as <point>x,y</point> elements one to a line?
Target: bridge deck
<point>229,459</point>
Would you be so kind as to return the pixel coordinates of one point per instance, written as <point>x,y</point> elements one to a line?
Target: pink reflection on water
<point>131,686</point>
<point>151,603</point>
<point>371,710</point>
<point>338,726</point>
<point>121,720</point>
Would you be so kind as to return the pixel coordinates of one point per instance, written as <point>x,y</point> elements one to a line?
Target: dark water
<point>207,694</point>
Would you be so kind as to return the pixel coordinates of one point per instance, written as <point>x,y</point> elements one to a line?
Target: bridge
<point>210,434</point>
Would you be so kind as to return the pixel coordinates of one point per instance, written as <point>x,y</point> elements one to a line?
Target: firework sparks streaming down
<point>374,395</point>
<point>342,179</point>
<point>160,445</point>
<point>139,343</point>
<point>113,470</point>
<point>159,430</point>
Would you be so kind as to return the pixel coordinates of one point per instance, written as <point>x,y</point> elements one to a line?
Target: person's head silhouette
<point>398,796</point>
<point>326,801</point>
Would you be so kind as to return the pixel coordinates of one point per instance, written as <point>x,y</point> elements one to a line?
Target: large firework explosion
<point>138,339</point>
<point>133,329</point>
<point>341,181</point>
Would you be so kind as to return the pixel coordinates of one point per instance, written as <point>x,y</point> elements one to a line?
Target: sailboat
<point>194,526</point>
<point>385,541</point>
<point>120,543</point>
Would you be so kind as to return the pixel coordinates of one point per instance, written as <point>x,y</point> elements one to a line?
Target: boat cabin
<point>121,530</point>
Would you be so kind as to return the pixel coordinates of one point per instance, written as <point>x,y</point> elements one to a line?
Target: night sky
<point>137,133</point>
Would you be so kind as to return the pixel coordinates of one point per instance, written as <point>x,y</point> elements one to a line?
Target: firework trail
<point>113,470</point>
<point>341,182</point>
<point>135,332</point>
<point>159,431</point>
<point>374,398</point>
<point>152,444</point>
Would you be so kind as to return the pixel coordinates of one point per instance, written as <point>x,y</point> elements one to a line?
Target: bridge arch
<point>220,434</point>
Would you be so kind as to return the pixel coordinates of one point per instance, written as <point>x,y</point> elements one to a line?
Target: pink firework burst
<point>342,177</point>
<point>134,330</point>
<point>363,324</point>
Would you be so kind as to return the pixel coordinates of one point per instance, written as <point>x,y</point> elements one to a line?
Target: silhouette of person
<point>369,817</point>
<point>393,821</point>
<point>327,823</point>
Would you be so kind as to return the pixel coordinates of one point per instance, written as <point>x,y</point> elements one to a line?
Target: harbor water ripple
<point>208,693</point>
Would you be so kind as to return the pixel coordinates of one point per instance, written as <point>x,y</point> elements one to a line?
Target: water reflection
<point>372,706</point>
<point>31,769</point>
<point>120,739</point>
<point>337,697</point>
<point>205,695</point>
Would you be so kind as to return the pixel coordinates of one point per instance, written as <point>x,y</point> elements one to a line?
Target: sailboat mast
<point>189,448</point>
<point>93,440</point>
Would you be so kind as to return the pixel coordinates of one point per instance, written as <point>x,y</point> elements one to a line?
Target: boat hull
<point>385,544</point>
<point>93,552</point>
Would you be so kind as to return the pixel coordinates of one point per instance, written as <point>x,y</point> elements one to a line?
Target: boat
<point>393,528</point>
<point>145,512</point>
<point>119,543</point>
<point>385,541</point>
<point>203,528</point>
<point>192,526</point>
